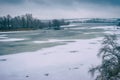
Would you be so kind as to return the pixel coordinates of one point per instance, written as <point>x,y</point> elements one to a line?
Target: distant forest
<point>28,22</point>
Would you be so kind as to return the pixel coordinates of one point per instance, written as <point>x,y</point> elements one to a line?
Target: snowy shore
<point>65,62</point>
<point>70,61</point>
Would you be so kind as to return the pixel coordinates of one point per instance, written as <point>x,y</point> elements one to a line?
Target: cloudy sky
<point>50,9</point>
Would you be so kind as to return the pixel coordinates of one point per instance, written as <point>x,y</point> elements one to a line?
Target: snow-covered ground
<point>3,36</point>
<point>13,32</point>
<point>105,27</point>
<point>11,39</point>
<point>56,40</point>
<point>71,25</point>
<point>63,62</point>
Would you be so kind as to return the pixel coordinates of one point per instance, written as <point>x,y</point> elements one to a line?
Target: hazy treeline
<point>27,22</point>
<point>98,20</point>
<point>118,24</point>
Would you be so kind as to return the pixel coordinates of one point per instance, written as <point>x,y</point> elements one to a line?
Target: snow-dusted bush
<point>109,69</point>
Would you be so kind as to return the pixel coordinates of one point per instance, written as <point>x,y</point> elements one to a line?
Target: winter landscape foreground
<point>65,55</point>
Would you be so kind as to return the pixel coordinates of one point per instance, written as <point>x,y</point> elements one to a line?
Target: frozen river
<point>51,55</point>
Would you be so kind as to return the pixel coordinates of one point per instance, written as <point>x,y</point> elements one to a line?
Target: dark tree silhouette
<point>27,22</point>
<point>110,66</point>
<point>56,24</point>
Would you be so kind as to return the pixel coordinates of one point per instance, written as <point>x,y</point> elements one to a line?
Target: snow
<point>11,39</point>
<point>91,33</point>
<point>13,32</point>
<point>63,62</point>
<point>117,31</point>
<point>49,41</point>
<point>104,27</point>
<point>76,28</point>
<point>3,36</point>
<point>53,41</point>
<point>67,26</point>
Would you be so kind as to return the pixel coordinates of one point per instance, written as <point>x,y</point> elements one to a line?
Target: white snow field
<point>63,62</point>
<point>54,40</point>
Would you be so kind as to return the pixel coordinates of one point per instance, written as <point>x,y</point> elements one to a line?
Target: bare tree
<point>109,69</point>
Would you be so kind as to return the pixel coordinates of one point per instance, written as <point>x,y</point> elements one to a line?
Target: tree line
<point>28,22</point>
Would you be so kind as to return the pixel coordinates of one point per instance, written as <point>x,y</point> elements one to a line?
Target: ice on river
<point>63,62</point>
<point>11,39</point>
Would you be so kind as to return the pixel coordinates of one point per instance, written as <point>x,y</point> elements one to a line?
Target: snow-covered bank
<point>3,36</point>
<point>70,61</point>
<point>55,40</point>
<point>14,31</point>
<point>12,39</point>
<point>64,62</point>
<point>105,27</point>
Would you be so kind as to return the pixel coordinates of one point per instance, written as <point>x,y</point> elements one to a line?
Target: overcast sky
<point>50,9</point>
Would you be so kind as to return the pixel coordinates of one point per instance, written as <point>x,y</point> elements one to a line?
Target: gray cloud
<point>62,8</point>
<point>64,2</point>
<point>71,2</point>
<point>11,1</point>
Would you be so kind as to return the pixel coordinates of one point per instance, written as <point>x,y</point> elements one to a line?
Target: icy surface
<point>11,39</point>
<point>66,62</point>
<point>54,40</point>
<point>3,36</point>
<point>105,27</point>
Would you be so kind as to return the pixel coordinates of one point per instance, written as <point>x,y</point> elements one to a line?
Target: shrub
<point>109,69</point>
